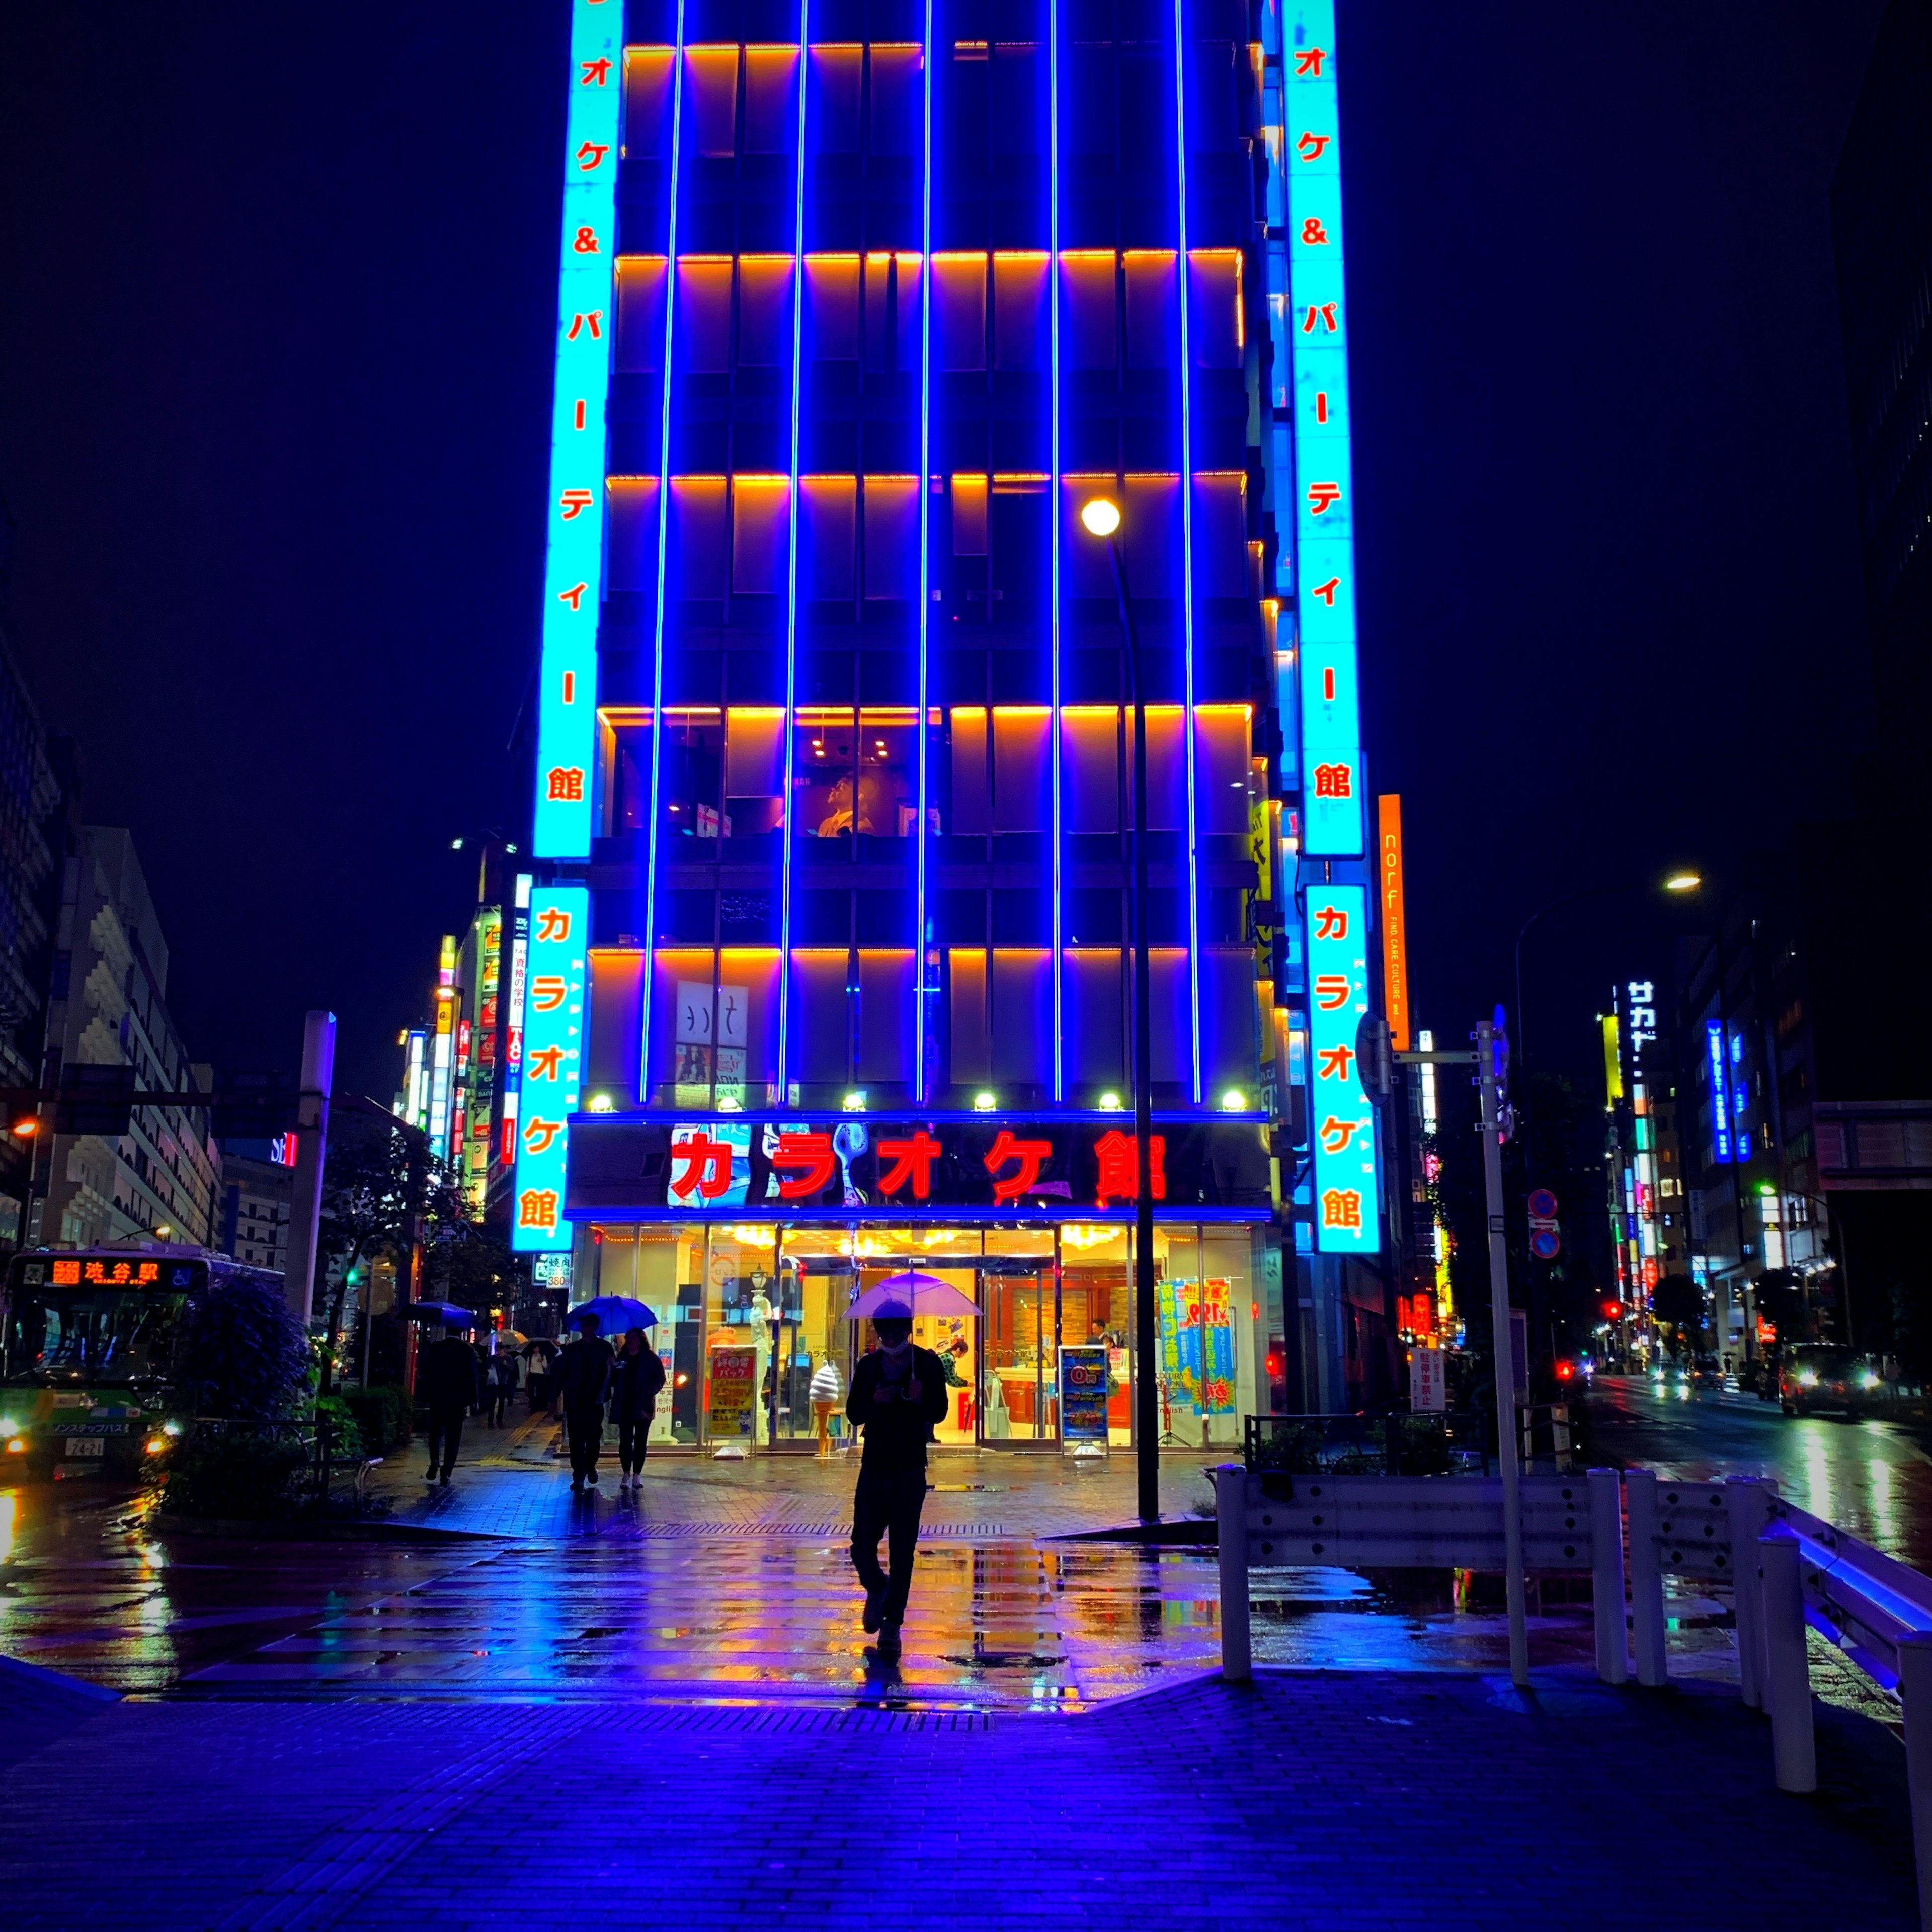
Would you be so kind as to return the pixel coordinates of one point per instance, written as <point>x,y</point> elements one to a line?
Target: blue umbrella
<point>448,1312</point>
<point>614,1311</point>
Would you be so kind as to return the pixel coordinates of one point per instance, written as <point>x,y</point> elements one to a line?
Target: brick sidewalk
<point>1312,1799</point>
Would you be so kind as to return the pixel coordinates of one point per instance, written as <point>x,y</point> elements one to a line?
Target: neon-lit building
<point>828,970</point>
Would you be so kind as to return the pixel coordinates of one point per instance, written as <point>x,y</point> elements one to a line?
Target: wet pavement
<point>1872,1478</point>
<point>722,1582</point>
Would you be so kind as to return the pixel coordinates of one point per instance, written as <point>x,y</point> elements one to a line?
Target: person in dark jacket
<point>503,1386</point>
<point>446,1379</point>
<point>634,1386</point>
<point>898,1392</point>
<point>584,1375</point>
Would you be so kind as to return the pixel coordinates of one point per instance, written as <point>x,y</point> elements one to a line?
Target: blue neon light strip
<point>1187,550</point>
<point>1058,508</point>
<point>574,560</point>
<point>919,1017</point>
<point>1332,820</point>
<point>552,1066</point>
<point>664,526</point>
<point>1721,1091</point>
<point>794,510</point>
<point>1341,1121</point>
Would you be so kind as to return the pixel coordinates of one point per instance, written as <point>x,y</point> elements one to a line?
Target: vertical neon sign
<point>553,1065</point>
<point>1331,732</point>
<point>1720,1090</point>
<point>1341,1123</point>
<point>573,563</point>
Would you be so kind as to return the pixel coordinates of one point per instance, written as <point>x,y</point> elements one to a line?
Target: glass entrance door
<point>1019,1351</point>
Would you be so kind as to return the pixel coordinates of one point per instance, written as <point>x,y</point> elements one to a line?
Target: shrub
<point>345,1426</point>
<point>382,1412</point>
<point>240,1474</point>
<point>241,1353</point>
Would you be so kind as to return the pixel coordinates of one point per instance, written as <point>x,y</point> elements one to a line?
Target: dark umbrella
<point>448,1312</point>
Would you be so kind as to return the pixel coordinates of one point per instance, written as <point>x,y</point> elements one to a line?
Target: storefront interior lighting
<point>855,1102</point>
<point>1233,1101</point>
<point>1111,1102</point>
<point>985,1103</point>
<point>602,1103</point>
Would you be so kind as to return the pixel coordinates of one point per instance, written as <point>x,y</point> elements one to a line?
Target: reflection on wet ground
<point>1003,1623</point>
<point>1872,1478</point>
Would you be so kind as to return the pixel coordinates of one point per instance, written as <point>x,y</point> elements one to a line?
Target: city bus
<point>87,1356</point>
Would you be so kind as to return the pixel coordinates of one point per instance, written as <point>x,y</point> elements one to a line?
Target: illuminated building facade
<point>827,969</point>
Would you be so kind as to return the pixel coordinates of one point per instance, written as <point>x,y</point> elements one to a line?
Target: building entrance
<point>752,1322</point>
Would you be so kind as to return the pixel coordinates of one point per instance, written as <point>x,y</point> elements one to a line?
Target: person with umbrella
<point>584,1370</point>
<point>635,1384</point>
<point>898,1392</point>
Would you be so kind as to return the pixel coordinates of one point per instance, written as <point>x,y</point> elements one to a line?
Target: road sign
<point>1546,1241</point>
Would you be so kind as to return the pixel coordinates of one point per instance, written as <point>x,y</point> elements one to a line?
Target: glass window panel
<point>833,108</point>
<point>646,102</point>
<point>764,310</point>
<point>771,98</point>
<point>761,535</point>
<point>831,306</point>
<point>711,100</point>
<point>1088,283</point>
<point>828,536</point>
<point>959,311</point>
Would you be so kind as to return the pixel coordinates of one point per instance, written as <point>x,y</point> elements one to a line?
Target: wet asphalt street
<point>1872,1478</point>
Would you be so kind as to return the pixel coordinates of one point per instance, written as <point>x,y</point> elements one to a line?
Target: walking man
<point>583,1374</point>
<point>898,1392</point>
<point>446,1380</point>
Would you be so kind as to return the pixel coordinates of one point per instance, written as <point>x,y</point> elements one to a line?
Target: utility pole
<point>1490,1127</point>
<point>318,1072</point>
<point>1147,1350</point>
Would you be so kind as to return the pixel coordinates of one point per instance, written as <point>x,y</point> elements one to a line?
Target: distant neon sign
<point>1341,1122</point>
<point>573,563</point>
<point>1331,731</point>
<point>553,1064</point>
<point>1721,1091</point>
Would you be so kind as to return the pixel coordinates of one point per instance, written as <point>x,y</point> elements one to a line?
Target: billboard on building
<point>1341,1119</point>
<point>552,1064</point>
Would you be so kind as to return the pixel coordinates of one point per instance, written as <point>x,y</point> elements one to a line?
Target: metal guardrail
<point>1787,1568</point>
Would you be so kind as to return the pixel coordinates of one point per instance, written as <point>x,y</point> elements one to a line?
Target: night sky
<point>275,304</point>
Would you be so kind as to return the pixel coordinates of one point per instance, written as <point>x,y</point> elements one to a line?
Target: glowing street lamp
<point>1100,516</point>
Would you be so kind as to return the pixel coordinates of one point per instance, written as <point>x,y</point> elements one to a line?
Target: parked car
<point>1818,1375</point>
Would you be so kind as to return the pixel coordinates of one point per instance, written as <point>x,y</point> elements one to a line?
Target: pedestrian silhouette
<point>898,1392</point>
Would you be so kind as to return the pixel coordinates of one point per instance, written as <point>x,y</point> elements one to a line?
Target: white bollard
<point>1788,1671</point>
<point>1646,1570</point>
<point>1915,1692</point>
<point>1606,1574</point>
<point>1230,1528</point>
<point>1748,1506</point>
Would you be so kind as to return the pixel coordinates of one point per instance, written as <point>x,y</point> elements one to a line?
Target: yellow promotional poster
<point>734,1373</point>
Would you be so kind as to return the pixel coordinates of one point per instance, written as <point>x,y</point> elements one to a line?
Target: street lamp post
<point>1101,517</point>
<point>1677,882</point>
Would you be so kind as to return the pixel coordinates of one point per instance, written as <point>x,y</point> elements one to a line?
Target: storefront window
<point>751,1334</point>
<point>1097,1301</point>
<point>748,1313</point>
